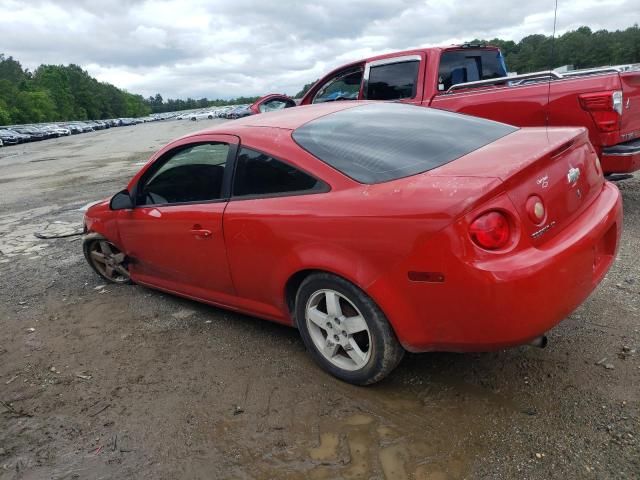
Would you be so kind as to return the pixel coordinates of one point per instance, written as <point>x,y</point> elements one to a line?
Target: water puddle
<point>385,432</point>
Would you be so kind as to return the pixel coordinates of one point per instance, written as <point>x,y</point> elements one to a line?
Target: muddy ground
<point>125,382</point>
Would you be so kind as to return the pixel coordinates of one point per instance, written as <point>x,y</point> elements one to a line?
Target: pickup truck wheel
<point>345,332</point>
<point>106,259</point>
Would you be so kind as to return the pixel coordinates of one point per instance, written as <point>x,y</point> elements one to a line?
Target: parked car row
<point>268,103</point>
<point>207,113</point>
<point>15,134</point>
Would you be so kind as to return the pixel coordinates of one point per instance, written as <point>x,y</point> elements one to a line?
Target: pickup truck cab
<point>473,79</point>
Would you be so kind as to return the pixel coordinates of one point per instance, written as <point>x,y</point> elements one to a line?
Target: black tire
<point>386,351</point>
<point>88,243</point>
<point>210,117</point>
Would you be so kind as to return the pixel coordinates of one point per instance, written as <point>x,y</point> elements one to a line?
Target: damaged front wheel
<point>106,259</point>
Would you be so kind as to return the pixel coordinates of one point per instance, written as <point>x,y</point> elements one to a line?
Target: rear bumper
<point>511,299</point>
<point>621,158</point>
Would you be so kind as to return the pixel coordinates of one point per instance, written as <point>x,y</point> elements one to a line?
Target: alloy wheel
<point>109,261</point>
<point>338,329</point>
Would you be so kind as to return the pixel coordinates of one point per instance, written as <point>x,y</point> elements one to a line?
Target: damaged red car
<point>374,228</point>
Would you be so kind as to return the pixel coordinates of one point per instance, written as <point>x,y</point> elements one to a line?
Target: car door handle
<point>201,233</point>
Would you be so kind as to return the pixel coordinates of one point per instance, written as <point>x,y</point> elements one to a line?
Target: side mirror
<point>121,201</point>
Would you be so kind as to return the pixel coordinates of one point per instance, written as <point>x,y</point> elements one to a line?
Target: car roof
<point>287,119</point>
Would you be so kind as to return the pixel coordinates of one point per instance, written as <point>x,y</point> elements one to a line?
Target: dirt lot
<point>125,382</point>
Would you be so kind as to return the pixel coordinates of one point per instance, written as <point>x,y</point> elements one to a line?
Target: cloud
<point>205,48</point>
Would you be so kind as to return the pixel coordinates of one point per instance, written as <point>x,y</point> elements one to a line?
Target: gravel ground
<point>125,382</point>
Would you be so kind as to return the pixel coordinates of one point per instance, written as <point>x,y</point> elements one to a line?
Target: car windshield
<point>379,142</point>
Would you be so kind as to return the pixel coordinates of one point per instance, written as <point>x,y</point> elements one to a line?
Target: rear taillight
<point>605,108</point>
<point>491,230</point>
<point>616,99</point>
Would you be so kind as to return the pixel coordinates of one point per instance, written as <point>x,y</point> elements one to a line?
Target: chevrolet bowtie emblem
<point>573,175</point>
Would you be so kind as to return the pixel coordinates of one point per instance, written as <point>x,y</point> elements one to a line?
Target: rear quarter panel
<point>360,234</point>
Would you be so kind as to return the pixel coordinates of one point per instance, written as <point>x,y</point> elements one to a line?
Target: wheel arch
<point>383,292</point>
<point>294,281</point>
<point>292,286</point>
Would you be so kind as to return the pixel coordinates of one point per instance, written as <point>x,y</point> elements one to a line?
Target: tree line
<point>581,48</point>
<point>58,93</point>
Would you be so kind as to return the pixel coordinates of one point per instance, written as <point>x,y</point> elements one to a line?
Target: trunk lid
<point>557,165</point>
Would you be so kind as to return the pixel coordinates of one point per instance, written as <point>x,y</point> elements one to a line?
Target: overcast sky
<point>221,49</point>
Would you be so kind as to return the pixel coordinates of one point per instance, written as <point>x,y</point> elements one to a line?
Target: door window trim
<point>389,61</point>
<point>166,156</point>
<point>322,187</point>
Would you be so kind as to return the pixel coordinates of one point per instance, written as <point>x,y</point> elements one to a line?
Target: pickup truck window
<point>345,85</point>
<point>392,81</point>
<point>379,142</point>
<point>460,66</point>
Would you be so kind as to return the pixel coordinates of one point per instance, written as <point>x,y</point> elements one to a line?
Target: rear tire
<point>345,332</point>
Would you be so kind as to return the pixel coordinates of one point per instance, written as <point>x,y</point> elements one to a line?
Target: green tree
<point>11,70</point>
<point>5,117</point>
<point>34,106</point>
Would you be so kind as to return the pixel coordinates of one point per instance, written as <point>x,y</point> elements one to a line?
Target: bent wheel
<point>345,331</point>
<point>106,259</point>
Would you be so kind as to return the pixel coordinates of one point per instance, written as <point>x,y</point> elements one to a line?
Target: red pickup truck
<point>473,79</point>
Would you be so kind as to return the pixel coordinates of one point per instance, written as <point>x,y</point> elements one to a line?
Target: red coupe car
<point>373,228</point>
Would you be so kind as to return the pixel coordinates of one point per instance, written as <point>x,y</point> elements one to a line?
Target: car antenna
<point>551,58</point>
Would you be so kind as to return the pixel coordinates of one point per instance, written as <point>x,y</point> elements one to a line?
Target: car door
<point>174,232</point>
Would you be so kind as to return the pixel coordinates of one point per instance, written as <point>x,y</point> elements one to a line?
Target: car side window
<point>343,86</point>
<point>191,174</point>
<point>259,174</point>
<point>393,81</point>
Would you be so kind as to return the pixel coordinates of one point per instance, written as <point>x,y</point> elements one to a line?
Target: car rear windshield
<point>378,142</point>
